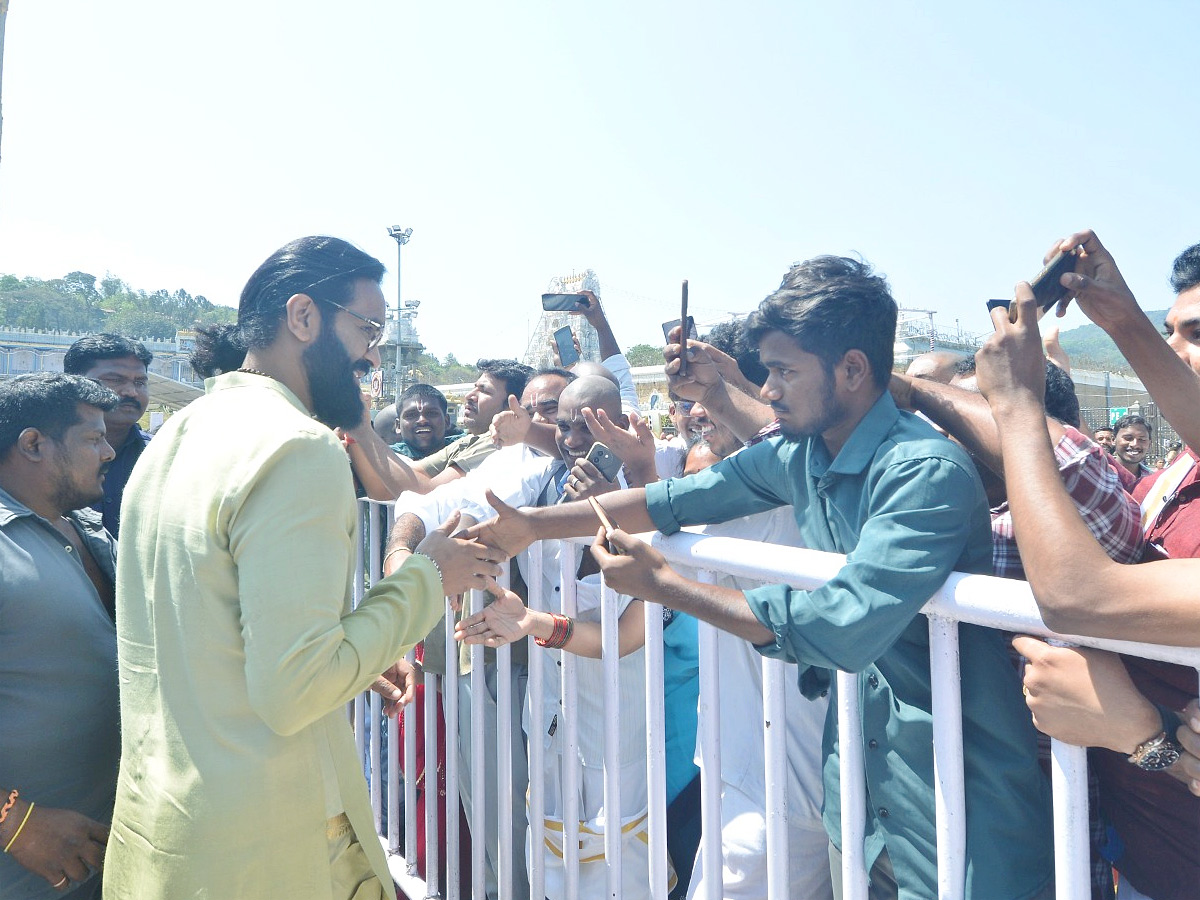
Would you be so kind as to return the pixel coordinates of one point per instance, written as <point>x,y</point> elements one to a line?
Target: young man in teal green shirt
<point>906,507</point>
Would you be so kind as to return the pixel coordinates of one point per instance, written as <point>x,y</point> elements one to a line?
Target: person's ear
<point>31,444</point>
<point>302,318</point>
<point>855,370</point>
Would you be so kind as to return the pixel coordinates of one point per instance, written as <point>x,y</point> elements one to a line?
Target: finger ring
<point>65,879</point>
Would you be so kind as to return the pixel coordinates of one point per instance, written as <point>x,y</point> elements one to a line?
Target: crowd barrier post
<point>656,753</point>
<point>976,599</point>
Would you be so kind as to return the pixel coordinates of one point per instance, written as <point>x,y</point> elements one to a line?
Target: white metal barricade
<point>981,600</point>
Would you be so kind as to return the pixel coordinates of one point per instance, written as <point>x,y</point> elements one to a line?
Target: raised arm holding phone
<point>712,378</point>
<point>1153,602</point>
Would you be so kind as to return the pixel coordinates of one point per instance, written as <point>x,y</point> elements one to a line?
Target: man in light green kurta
<point>238,648</point>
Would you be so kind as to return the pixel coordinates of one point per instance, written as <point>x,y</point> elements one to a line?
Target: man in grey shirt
<point>59,742</point>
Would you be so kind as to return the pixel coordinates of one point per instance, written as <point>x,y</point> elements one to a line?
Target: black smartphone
<point>607,462</point>
<point>687,327</point>
<point>1046,287</point>
<point>564,339</point>
<point>563,302</point>
<point>667,326</point>
<point>1047,290</point>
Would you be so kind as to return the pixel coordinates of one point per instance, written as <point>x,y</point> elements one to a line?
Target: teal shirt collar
<point>862,445</point>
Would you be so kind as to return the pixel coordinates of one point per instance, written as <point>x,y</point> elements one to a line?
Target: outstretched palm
<point>503,621</point>
<point>510,532</point>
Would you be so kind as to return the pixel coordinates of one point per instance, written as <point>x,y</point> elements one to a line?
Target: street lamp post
<point>401,235</point>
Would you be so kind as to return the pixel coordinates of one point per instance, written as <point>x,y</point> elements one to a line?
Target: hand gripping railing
<point>981,600</point>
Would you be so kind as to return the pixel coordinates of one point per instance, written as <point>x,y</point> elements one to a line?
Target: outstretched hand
<point>397,686</point>
<point>1011,364</point>
<point>465,563</point>
<point>635,568</point>
<point>502,621</point>
<point>510,532</point>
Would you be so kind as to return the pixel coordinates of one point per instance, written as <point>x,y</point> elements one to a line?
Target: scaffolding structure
<point>540,352</point>
<point>916,333</point>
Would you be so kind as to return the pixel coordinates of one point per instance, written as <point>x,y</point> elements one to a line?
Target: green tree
<point>111,286</point>
<point>73,303</point>
<point>644,355</point>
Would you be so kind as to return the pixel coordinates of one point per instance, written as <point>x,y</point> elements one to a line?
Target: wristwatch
<point>1163,750</point>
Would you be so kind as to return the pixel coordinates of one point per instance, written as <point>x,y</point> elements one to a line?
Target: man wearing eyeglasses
<point>238,642</point>
<point>120,364</point>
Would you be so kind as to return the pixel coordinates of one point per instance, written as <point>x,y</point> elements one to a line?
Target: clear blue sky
<point>176,145</point>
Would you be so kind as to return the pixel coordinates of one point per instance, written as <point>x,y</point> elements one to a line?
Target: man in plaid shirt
<point>1097,486</point>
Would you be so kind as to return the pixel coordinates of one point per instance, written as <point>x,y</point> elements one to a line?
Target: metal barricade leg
<point>536,835</point>
<point>775,738</point>
<point>710,755</point>
<point>949,780</point>
<point>853,788</point>
<point>656,752</point>
<point>569,562</point>
<point>450,711</point>
<point>1072,854</point>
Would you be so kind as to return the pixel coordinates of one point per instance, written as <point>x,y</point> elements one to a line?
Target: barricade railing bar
<point>983,600</point>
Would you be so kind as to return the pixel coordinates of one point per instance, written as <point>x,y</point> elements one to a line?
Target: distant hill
<point>80,303</point>
<point>1090,348</point>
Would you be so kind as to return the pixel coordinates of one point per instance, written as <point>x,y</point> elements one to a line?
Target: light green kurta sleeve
<point>306,652</point>
<point>237,649</point>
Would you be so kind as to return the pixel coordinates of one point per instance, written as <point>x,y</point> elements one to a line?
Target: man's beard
<point>68,495</point>
<point>336,396</point>
<point>832,412</point>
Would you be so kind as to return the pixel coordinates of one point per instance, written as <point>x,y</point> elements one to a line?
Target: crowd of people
<point>178,641</point>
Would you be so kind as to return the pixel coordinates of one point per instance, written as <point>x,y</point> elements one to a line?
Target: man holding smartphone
<point>907,508</point>
<point>1126,708</point>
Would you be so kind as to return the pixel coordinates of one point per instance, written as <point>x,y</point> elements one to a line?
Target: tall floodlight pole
<point>401,235</point>
<point>3,17</point>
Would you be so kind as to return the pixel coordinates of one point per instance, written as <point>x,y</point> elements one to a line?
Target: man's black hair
<point>829,305</point>
<point>553,370</point>
<point>424,392</point>
<point>1062,402</point>
<point>515,375</point>
<point>1104,426</point>
<point>324,268</point>
<point>730,338</point>
<point>1132,419</point>
<point>965,367</point>
<point>1185,271</point>
<point>87,351</point>
<point>47,401</point>
<point>219,348</point>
